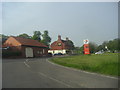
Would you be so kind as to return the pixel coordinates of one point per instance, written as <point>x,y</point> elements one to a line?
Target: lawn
<point>105,63</point>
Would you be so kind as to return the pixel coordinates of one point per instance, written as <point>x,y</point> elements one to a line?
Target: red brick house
<point>27,47</point>
<point>60,46</point>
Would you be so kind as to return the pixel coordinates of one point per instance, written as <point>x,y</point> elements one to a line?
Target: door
<point>29,52</point>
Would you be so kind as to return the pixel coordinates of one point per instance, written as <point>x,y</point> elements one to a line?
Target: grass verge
<point>105,63</point>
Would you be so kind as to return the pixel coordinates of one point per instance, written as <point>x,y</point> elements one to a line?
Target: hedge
<point>9,54</point>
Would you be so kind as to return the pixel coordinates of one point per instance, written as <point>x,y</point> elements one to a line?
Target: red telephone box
<point>86,47</point>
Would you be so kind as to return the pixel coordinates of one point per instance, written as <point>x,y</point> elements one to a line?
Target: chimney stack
<point>59,37</point>
<point>67,38</point>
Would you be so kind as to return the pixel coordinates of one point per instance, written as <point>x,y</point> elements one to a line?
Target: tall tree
<point>37,36</point>
<point>99,48</point>
<point>104,44</point>
<point>82,49</point>
<point>3,37</point>
<point>71,44</point>
<point>24,35</point>
<point>46,38</point>
<point>113,45</point>
<point>93,47</point>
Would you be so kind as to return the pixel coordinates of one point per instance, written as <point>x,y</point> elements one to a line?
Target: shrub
<point>11,53</point>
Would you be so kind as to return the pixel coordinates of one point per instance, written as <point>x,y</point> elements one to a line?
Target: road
<point>41,73</point>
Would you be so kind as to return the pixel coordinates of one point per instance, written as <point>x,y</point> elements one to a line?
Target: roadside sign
<point>86,46</point>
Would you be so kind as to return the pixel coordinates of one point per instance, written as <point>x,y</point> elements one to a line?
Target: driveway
<point>41,73</point>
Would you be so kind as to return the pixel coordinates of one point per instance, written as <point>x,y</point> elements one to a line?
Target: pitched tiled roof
<point>29,42</point>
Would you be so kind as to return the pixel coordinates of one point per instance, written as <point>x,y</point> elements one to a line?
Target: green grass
<point>104,63</point>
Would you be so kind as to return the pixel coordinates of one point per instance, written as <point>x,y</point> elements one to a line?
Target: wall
<point>55,45</point>
<point>37,52</point>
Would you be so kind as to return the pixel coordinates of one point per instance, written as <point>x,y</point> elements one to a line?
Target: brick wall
<point>37,52</point>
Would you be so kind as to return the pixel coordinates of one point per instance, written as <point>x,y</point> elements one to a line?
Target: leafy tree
<point>104,44</point>
<point>93,47</point>
<point>77,50</point>
<point>37,36</point>
<point>99,48</point>
<point>113,45</point>
<point>24,35</point>
<point>118,44</point>
<point>46,38</point>
<point>82,49</point>
<point>3,37</point>
<point>70,44</point>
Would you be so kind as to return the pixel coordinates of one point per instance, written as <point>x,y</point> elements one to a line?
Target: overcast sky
<point>96,21</point>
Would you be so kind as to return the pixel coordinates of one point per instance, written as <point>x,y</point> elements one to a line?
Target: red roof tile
<point>29,42</point>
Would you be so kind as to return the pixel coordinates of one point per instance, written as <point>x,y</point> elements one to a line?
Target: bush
<point>10,54</point>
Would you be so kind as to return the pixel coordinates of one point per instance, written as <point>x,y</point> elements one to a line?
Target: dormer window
<point>59,44</point>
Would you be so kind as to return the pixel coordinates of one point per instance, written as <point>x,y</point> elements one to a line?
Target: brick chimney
<point>59,37</point>
<point>67,38</point>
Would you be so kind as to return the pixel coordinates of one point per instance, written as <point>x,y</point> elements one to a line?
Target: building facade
<point>60,46</point>
<point>27,47</point>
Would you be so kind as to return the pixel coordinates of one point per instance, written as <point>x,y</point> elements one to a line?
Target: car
<point>49,54</point>
<point>58,54</point>
<point>99,52</point>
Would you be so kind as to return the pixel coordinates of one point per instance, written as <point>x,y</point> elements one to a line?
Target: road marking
<point>27,60</point>
<point>54,79</point>
<point>27,65</point>
<point>81,70</point>
<point>49,77</point>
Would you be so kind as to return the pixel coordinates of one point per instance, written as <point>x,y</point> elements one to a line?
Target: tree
<point>93,47</point>
<point>82,49</point>
<point>71,44</point>
<point>104,44</point>
<point>24,35</point>
<point>119,44</point>
<point>37,36</point>
<point>99,48</point>
<point>46,38</point>
<point>113,45</point>
<point>3,37</point>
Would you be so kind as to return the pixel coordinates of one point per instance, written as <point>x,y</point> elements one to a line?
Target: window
<point>38,52</point>
<point>43,51</point>
<point>59,44</point>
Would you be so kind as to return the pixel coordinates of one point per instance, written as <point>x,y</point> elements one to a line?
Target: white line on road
<point>26,64</point>
<point>54,79</point>
<point>27,60</point>
<point>49,77</point>
<point>81,70</point>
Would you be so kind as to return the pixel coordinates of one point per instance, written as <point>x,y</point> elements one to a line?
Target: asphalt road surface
<point>40,73</point>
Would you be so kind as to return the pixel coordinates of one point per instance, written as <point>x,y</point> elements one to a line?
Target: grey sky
<point>96,21</point>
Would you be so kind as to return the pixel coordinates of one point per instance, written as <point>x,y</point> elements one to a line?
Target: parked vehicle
<point>99,52</point>
<point>58,54</point>
<point>49,54</point>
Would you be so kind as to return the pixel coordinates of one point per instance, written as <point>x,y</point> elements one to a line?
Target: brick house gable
<point>18,41</point>
<point>64,44</point>
<point>27,47</point>
<point>60,46</point>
